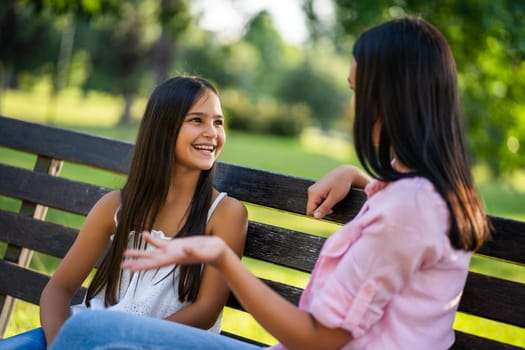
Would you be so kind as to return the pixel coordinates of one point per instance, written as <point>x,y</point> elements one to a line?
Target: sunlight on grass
<point>490,329</point>
<point>277,273</point>
<point>315,141</point>
<point>497,268</point>
<point>243,324</point>
<point>25,317</point>
<point>71,107</point>
<point>291,221</point>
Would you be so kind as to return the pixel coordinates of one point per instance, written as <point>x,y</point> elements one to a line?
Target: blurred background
<point>281,68</point>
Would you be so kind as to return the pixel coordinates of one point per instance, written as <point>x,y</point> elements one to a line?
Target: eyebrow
<point>220,116</point>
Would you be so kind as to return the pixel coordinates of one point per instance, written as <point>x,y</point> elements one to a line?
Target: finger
<point>321,212</point>
<point>137,253</point>
<point>326,207</point>
<point>138,265</point>
<point>157,243</point>
<point>315,198</point>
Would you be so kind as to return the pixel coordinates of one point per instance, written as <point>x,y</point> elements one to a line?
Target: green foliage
<point>266,115</point>
<point>226,65</point>
<point>82,8</point>
<point>117,53</point>
<point>263,36</point>
<point>307,85</point>
<point>27,42</point>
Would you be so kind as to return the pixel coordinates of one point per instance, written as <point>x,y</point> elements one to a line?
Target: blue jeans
<point>30,340</point>
<point>103,329</point>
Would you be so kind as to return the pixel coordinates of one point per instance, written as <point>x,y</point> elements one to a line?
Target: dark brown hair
<point>406,80</point>
<point>147,185</point>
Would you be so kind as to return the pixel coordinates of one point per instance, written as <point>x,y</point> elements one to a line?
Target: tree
<point>269,45</point>
<point>118,52</point>
<point>27,42</point>
<point>306,84</point>
<point>173,17</point>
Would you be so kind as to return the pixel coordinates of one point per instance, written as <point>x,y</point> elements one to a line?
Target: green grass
<point>310,156</point>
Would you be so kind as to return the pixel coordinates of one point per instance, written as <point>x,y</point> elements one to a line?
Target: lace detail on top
<point>150,293</point>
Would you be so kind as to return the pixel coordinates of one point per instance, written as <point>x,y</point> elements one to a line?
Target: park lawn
<point>310,156</point>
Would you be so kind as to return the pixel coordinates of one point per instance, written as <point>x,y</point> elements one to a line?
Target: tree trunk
<point>129,98</point>
<point>162,56</point>
<point>62,67</point>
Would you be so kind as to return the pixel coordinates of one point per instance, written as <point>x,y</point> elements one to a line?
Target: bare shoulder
<point>110,201</point>
<point>230,222</point>
<point>230,216</point>
<point>101,216</point>
<point>230,208</point>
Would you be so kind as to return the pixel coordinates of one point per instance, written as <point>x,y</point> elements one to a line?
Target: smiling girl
<point>169,191</point>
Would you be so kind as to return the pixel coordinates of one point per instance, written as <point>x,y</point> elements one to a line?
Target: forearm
<point>358,177</point>
<point>54,311</point>
<point>293,327</point>
<point>195,315</point>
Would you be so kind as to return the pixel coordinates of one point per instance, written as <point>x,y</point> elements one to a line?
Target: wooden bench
<point>25,230</point>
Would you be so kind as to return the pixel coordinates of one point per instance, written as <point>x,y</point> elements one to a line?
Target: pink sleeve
<point>395,241</point>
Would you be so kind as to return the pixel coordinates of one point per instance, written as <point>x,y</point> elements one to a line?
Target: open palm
<point>190,250</point>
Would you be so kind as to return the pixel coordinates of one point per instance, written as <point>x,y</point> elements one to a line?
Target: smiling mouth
<point>207,148</point>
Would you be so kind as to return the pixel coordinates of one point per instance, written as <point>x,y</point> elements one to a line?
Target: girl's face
<point>201,136</point>
<point>376,130</point>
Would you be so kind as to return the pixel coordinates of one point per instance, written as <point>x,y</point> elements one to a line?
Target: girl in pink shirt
<point>392,277</point>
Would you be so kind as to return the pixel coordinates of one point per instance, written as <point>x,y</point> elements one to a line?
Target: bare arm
<point>295,328</point>
<point>332,188</point>
<point>79,261</point>
<point>230,223</point>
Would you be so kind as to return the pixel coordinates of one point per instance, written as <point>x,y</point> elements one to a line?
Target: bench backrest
<point>37,189</point>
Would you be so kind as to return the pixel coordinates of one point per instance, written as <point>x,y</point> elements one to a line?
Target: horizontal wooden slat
<point>283,247</point>
<point>465,341</point>
<point>26,284</point>
<point>63,144</point>
<point>41,236</point>
<point>508,242</point>
<point>279,191</point>
<point>241,338</point>
<point>494,298</point>
<point>290,293</point>
<point>78,197</point>
<point>55,192</point>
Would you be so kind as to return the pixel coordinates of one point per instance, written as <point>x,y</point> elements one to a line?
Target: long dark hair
<point>406,80</point>
<point>147,185</point>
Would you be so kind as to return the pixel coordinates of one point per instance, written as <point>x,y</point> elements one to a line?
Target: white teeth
<point>204,147</point>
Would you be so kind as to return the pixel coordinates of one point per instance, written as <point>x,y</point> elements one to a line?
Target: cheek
<point>221,138</point>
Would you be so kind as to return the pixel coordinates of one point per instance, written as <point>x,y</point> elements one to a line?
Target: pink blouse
<point>390,276</point>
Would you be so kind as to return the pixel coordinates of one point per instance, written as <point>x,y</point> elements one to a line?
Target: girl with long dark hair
<point>169,191</point>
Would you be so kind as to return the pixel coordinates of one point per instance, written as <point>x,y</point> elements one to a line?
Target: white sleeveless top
<point>150,293</point>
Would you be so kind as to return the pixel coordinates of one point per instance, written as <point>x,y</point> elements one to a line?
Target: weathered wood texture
<point>484,296</point>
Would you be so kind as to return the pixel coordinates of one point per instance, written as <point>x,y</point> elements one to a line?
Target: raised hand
<point>190,250</point>
<point>332,188</point>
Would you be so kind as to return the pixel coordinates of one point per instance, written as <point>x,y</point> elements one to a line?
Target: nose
<point>210,130</point>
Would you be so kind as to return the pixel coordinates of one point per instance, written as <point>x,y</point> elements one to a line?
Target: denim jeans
<point>30,340</point>
<point>103,329</point>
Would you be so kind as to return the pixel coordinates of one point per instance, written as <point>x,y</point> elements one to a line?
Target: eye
<point>218,122</point>
<point>195,120</point>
